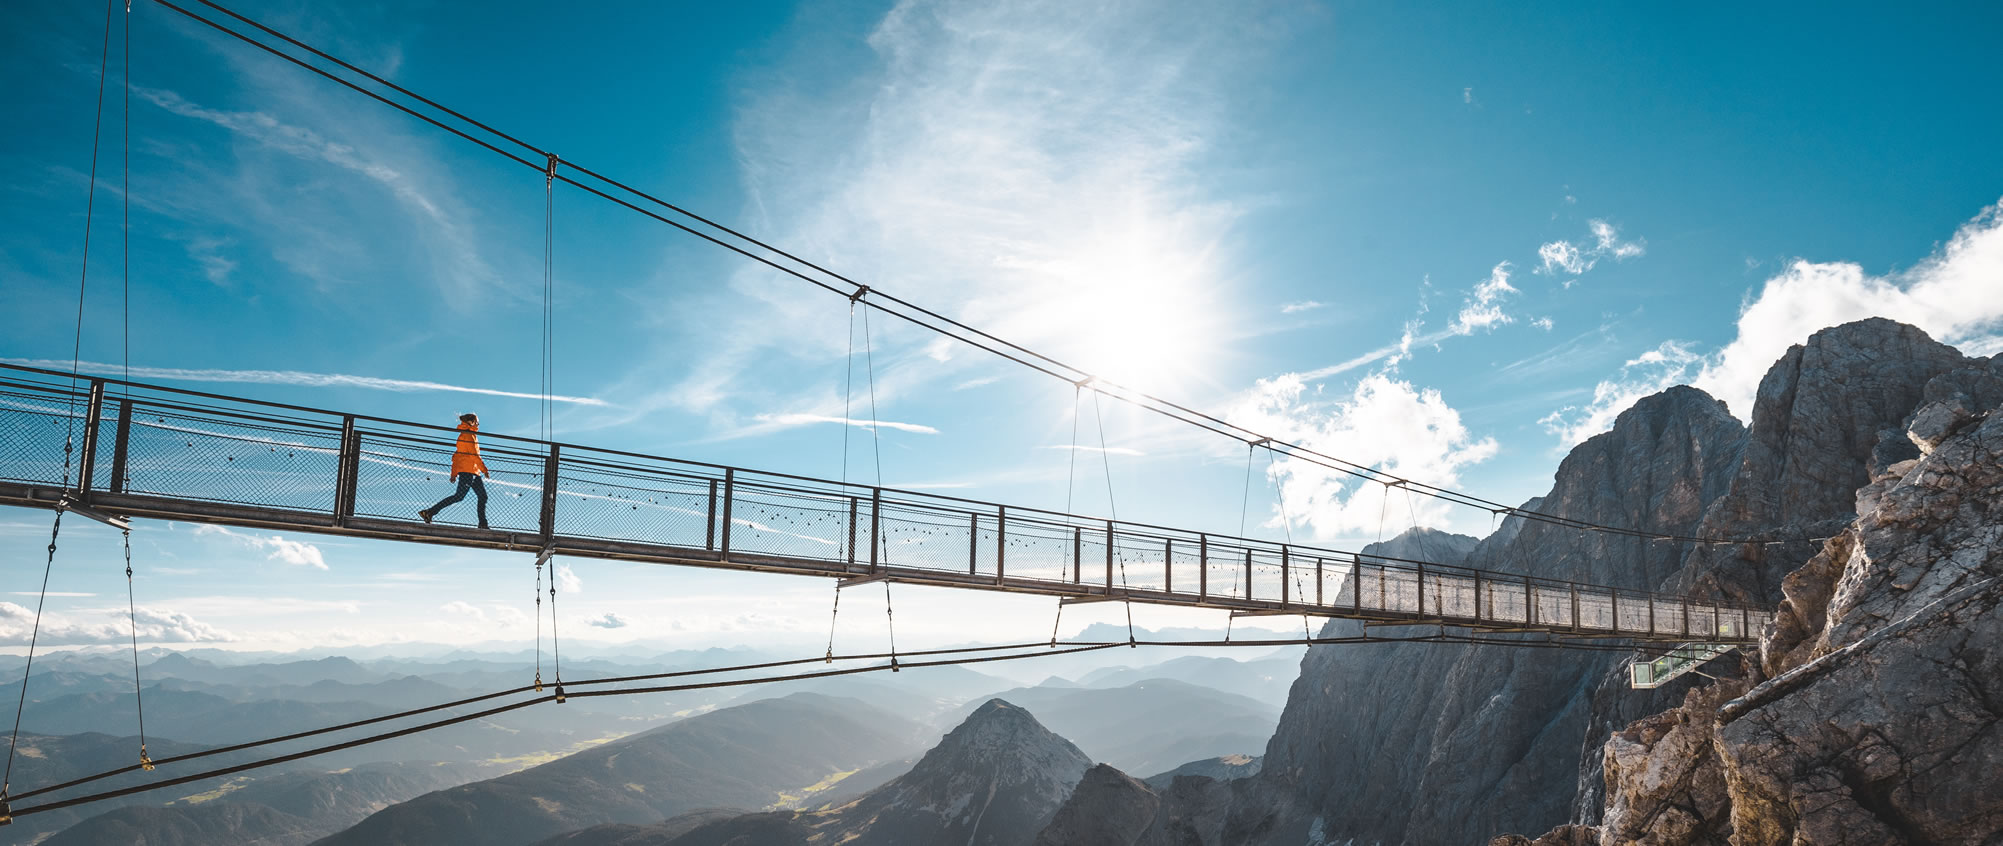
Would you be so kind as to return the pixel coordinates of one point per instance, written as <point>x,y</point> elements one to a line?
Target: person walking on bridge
<point>467,469</point>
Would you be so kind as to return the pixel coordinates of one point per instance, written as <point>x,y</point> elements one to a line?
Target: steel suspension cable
<point>1015,651</point>
<point>69,439</point>
<point>132,615</point>
<point>125,360</point>
<point>1287,523</point>
<point>1113,509</point>
<point>999,345</point>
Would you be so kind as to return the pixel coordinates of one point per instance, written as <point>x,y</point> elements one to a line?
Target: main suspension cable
<point>920,316</point>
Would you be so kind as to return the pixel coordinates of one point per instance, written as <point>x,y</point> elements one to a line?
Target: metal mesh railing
<point>173,446</point>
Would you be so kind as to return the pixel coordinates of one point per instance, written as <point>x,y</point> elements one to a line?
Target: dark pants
<point>467,481</point>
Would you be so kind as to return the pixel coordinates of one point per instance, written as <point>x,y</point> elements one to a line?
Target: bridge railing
<point>143,443</point>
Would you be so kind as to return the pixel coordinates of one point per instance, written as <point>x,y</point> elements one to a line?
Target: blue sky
<point>1453,241</point>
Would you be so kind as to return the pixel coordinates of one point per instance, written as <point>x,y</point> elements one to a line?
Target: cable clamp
<point>538,681</point>
<point>860,292</point>
<point>145,760</point>
<point>1086,382</point>
<point>549,172</point>
<point>1262,441</point>
<point>6,810</point>
<point>560,698</point>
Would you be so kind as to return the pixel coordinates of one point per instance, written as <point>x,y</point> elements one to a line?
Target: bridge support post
<point>1168,565</point>
<point>853,504</point>
<point>1575,606</point>
<point>875,525</point>
<point>1203,568</point>
<point>1109,556</point>
<point>1077,553</point>
<point>973,543</point>
<point>119,446</point>
<point>1613,603</point>
<point>1286,563</point>
<point>87,461</point>
<point>1001,541</point>
<point>729,494</point>
<point>1529,603</point>
<point>347,470</point>
<point>1248,573</point>
<point>1422,590</point>
<point>1477,596</point>
<point>1651,614</point>
<point>547,524</point>
<point>1317,581</point>
<point>1355,583</point>
<point>709,520</point>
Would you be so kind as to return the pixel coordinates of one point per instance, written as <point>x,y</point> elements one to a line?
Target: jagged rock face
<point>996,780</point>
<point>1889,731</point>
<point>1824,413</point>
<point>1108,808</point>
<point>1878,717</point>
<point>1430,743</point>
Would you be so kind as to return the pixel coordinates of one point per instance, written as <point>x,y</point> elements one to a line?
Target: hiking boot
<point>426,514</point>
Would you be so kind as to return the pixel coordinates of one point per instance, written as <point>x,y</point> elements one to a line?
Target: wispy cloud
<point>288,377</point>
<point>50,593</point>
<point>608,621</point>
<point>1107,450</point>
<point>1652,371</point>
<point>1565,258</point>
<point>1483,309</point>
<point>155,625</point>
<point>276,546</point>
<point>1304,305</point>
<point>978,151</point>
<point>811,419</point>
<point>444,227</point>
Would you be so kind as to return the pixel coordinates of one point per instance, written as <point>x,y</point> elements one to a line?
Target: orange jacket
<point>466,459</point>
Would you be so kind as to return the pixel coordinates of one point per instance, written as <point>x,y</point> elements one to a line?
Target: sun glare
<point>1138,313</point>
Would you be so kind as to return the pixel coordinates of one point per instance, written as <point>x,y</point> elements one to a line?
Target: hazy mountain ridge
<point>742,756</point>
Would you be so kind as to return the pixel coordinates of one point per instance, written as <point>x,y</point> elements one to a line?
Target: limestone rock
<point>1108,808</point>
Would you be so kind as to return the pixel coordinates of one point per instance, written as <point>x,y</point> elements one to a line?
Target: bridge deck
<point>163,453</point>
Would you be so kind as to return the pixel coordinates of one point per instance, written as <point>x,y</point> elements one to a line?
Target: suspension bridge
<point>114,450</point>
<point>155,452</point>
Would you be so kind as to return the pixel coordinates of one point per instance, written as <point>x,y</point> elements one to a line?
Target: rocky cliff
<point>1425,743</point>
<point>1872,712</point>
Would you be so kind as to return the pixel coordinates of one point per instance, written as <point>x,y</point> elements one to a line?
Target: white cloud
<point>1385,423</point>
<point>284,377</point>
<point>1672,363</point>
<point>1304,305</point>
<point>1954,295</point>
<point>461,608</point>
<point>1543,323</point>
<point>276,546</point>
<point>1565,257</point>
<point>566,579</point>
<point>609,621</point>
<point>1467,95</point>
<point>50,593</point>
<point>154,625</point>
<point>781,420</point>
<point>1483,308</point>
